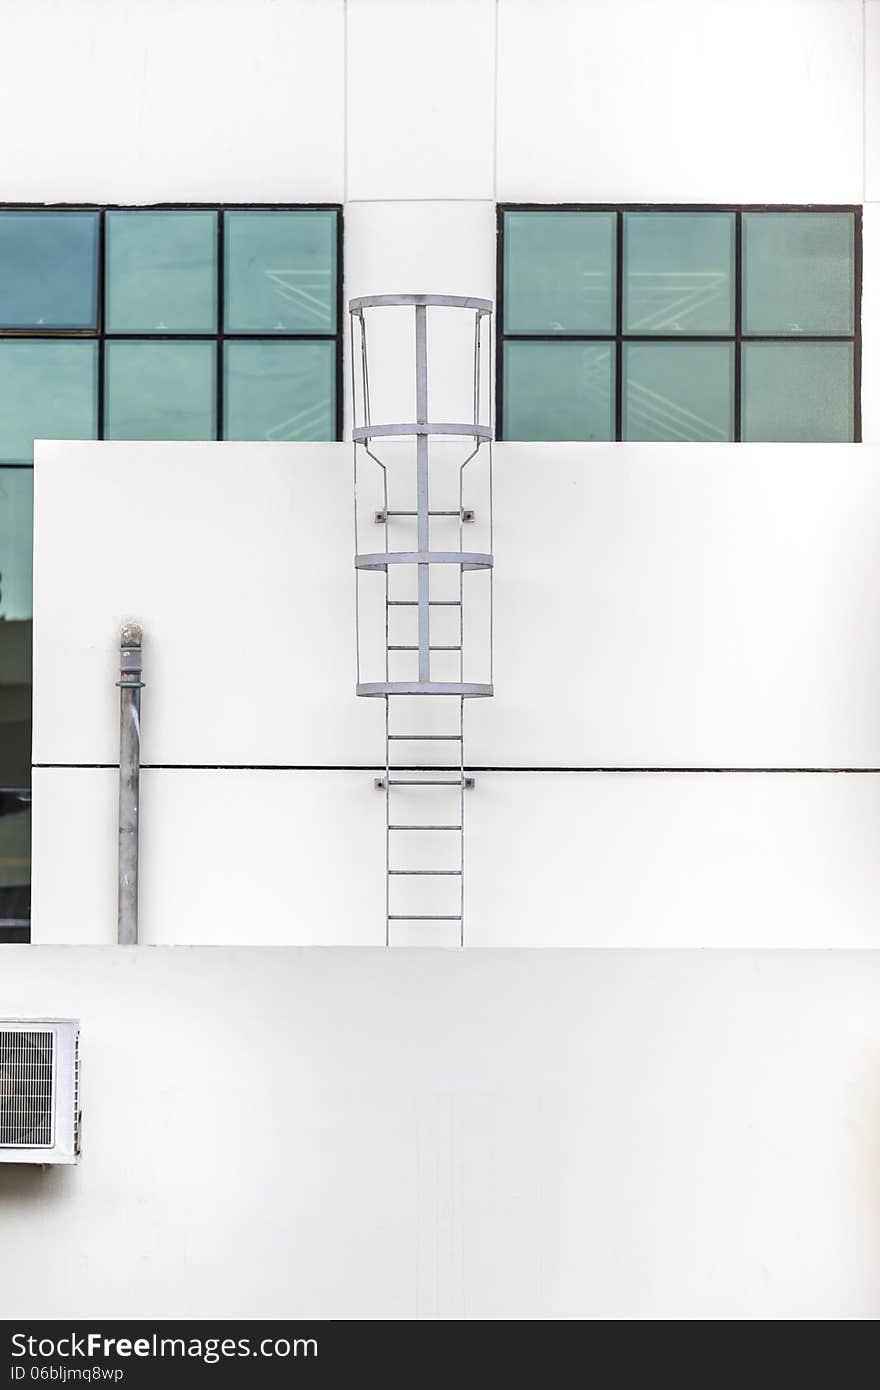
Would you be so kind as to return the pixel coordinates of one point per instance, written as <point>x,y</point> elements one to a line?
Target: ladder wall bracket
<point>380,783</point>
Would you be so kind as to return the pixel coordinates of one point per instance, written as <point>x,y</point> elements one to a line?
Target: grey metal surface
<point>381,517</point>
<point>422,559</point>
<point>468,559</point>
<point>422,503</point>
<point>443,301</point>
<point>466,689</point>
<point>39,1064</point>
<point>415,427</point>
<point>130,686</point>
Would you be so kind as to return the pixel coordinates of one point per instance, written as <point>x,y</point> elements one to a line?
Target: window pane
<point>16,527</point>
<point>16,547</point>
<point>280,272</point>
<point>161,272</point>
<point>678,272</point>
<point>279,390</point>
<point>797,391</point>
<point>48,390</point>
<point>558,391</point>
<point>798,272</point>
<point>678,391</point>
<point>15,864</point>
<point>48,270</point>
<point>559,272</point>
<point>160,390</point>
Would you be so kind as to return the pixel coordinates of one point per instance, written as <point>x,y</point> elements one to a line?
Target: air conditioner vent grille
<point>27,1064</point>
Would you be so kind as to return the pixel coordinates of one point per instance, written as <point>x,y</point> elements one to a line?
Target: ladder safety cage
<point>416,488</point>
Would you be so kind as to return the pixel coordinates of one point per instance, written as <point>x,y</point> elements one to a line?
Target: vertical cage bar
<point>422,498</point>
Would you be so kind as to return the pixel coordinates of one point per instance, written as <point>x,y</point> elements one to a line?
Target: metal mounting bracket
<point>469,782</point>
<point>466,515</point>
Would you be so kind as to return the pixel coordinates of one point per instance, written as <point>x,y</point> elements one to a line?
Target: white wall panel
<point>711,606</point>
<point>241,857</point>
<point>74,837</point>
<point>764,860</point>
<point>707,606</point>
<point>237,560</point>
<point>238,857</point>
<point>691,101</point>
<point>421,97</point>
<point>872,101</point>
<point>482,1135</point>
<point>148,101</point>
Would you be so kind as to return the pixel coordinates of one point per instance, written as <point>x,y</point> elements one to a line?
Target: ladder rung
<point>414,603</point>
<point>426,782</point>
<point>396,647</point>
<point>424,827</point>
<point>424,917</point>
<point>432,873</point>
<point>419,738</point>
<point>463,514</point>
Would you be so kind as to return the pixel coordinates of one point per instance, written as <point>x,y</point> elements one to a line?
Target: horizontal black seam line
<point>432,767</point>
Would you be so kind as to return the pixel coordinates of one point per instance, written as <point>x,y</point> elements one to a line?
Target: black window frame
<point>218,337</point>
<point>618,338</point>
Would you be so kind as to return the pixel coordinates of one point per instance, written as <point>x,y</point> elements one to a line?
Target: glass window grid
<point>219,336</point>
<point>737,337</point>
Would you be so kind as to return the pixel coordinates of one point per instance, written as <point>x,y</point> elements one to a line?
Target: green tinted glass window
<point>49,270</point>
<point>161,272</point>
<point>280,272</point>
<point>678,272</point>
<point>558,390</point>
<point>16,559</point>
<point>160,390</point>
<point>16,568</point>
<point>48,390</point>
<point>15,854</point>
<point>678,391</point>
<point>559,267</point>
<point>279,390</point>
<point>798,272</point>
<point>801,392</point>
<point>686,319</point>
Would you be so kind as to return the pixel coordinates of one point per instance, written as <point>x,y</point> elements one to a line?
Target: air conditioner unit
<point>39,1090</point>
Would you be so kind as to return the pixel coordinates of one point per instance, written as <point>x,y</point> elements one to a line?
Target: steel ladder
<point>441,782</point>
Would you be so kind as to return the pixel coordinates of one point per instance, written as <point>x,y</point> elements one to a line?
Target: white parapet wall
<point>484,1134</point>
<point>679,635</point>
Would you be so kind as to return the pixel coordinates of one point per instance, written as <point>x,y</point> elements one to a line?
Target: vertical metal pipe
<point>130,686</point>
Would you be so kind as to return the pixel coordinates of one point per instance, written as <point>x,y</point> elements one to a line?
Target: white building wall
<point>419,116</point>
<point>691,101</point>
<point>264,858</point>
<point>656,608</point>
<point>871,230</point>
<point>640,1133</point>
<point>164,101</point>
<point>434,1134</point>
